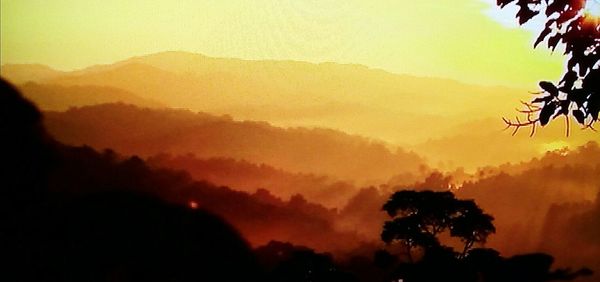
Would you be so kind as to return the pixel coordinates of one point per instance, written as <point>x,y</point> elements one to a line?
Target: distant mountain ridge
<point>22,73</point>
<point>441,119</point>
<point>384,105</point>
<point>60,98</point>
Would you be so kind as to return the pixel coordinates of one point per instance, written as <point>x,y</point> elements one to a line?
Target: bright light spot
<point>592,8</point>
<point>554,146</point>
<point>506,17</point>
<point>193,204</point>
<point>457,186</point>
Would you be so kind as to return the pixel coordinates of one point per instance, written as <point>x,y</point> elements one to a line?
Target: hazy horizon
<point>425,40</point>
<point>444,118</point>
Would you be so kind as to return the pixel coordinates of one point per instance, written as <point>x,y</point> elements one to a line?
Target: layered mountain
<point>146,132</point>
<point>438,118</point>
<point>250,177</point>
<point>354,98</point>
<point>22,73</point>
<point>64,199</point>
<point>59,98</point>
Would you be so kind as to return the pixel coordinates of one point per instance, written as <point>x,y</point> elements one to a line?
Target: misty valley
<point>126,177</point>
<point>300,141</point>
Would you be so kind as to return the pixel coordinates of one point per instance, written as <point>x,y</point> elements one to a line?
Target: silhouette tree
<point>419,217</point>
<point>471,225</point>
<point>570,24</point>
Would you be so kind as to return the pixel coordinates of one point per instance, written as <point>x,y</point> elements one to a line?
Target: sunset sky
<point>468,40</point>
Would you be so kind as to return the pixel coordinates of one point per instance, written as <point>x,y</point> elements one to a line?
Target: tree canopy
<point>418,217</point>
<point>571,25</point>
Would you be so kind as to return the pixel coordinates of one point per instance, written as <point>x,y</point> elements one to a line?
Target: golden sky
<point>466,40</point>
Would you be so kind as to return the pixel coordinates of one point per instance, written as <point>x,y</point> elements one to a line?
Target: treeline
<point>140,131</point>
<point>73,214</point>
<point>247,176</point>
<point>518,195</point>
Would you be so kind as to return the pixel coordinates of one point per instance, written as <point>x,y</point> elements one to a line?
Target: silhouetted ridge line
<point>62,224</point>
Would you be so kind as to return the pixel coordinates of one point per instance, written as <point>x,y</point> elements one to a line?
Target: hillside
<point>496,146</point>
<point>246,176</point>
<point>51,188</point>
<point>60,98</point>
<point>22,73</point>
<point>146,132</point>
<point>353,98</point>
<point>437,118</point>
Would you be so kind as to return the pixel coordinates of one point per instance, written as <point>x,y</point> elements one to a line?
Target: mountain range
<point>437,118</point>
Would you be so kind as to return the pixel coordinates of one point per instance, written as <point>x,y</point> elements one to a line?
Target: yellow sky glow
<point>454,39</point>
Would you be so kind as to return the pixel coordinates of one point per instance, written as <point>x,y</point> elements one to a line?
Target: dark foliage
<point>419,217</point>
<point>288,263</point>
<point>578,92</point>
<point>88,228</point>
<point>441,264</point>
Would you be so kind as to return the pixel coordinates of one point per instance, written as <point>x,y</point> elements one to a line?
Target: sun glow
<point>592,8</point>
<point>193,204</point>
<point>554,146</point>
